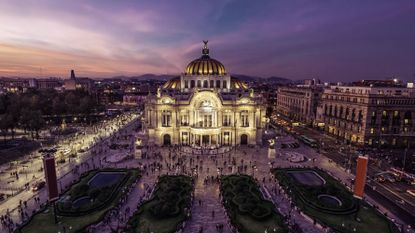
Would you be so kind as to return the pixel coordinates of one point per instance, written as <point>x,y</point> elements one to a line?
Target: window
<point>217,83</point>
<point>207,121</point>
<point>184,121</point>
<point>166,118</point>
<point>192,84</point>
<point>199,83</point>
<point>372,130</point>
<point>205,84</point>
<point>244,119</point>
<point>227,120</point>
<point>211,84</point>
<point>186,84</point>
<point>224,84</point>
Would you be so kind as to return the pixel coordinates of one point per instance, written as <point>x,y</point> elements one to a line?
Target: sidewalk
<point>207,210</point>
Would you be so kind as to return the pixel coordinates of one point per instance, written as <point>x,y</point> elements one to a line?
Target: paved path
<point>118,217</point>
<point>202,217</point>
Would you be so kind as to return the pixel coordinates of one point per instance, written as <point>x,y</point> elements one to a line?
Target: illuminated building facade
<point>204,107</point>
<point>369,115</point>
<point>298,103</point>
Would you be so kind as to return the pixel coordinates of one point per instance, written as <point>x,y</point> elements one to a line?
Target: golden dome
<point>205,65</point>
<point>173,84</point>
<point>238,84</point>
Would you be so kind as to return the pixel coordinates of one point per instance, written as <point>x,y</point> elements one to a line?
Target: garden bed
<point>168,207</point>
<point>74,213</point>
<point>246,207</point>
<point>331,204</point>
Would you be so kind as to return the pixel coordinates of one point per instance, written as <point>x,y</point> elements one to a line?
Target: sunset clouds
<point>333,40</point>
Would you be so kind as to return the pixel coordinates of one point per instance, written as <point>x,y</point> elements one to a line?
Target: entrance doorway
<point>166,139</point>
<point>244,139</point>
<point>205,139</point>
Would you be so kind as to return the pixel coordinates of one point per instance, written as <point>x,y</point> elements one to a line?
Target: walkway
<point>208,213</point>
<point>119,216</point>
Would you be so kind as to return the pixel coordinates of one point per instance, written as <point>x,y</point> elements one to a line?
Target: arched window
<point>192,84</point>
<point>205,84</point>
<point>211,84</point>
<point>217,83</point>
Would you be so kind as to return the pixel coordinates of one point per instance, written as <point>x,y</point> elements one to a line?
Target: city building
<point>14,85</point>
<point>299,103</point>
<point>46,83</point>
<point>369,114</point>
<point>204,106</point>
<point>75,83</point>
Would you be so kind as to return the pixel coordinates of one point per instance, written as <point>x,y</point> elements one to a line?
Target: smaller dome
<point>205,65</point>
<point>238,84</point>
<point>172,84</point>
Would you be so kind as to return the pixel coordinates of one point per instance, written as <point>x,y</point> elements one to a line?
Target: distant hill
<point>242,77</point>
<point>273,79</point>
<point>159,77</point>
<point>245,78</point>
<point>279,80</point>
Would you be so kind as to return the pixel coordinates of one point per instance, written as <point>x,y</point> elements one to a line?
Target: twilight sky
<point>330,39</point>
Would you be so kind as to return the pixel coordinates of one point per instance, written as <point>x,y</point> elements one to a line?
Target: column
<point>200,139</point>
<point>219,123</point>
<point>210,140</point>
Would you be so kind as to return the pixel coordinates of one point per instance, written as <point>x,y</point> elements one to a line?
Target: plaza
<point>207,212</point>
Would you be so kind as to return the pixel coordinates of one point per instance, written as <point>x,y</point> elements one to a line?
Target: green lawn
<point>248,211</point>
<point>166,208</point>
<point>44,222</point>
<point>354,214</point>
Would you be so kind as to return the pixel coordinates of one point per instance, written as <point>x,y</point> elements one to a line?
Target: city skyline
<point>297,40</point>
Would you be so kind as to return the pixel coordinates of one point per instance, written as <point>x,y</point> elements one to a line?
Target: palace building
<point>204,107</point>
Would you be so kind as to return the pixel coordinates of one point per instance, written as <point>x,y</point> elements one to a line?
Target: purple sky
<point>332,40</point>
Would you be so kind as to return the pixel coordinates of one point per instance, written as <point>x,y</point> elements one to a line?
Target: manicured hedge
<point>352,214</point>
<point>102,196</point>
<point>246,207</point>
<point>43,221</point>
<point>166,209</point>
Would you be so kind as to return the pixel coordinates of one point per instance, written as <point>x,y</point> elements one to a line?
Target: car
<point>411,192</point>
<point>38,186</point>
<point>380,179</point>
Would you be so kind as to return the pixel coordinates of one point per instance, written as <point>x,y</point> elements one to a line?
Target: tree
<point>85,105</point>
<point>6,122</point>
<point>25,119</point>
<point>58,106</point>
<point>36,122</point>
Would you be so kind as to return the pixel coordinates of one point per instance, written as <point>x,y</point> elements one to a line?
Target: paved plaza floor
<point>207,212</point>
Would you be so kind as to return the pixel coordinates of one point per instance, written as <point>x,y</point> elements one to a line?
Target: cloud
<point>297,39</point>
